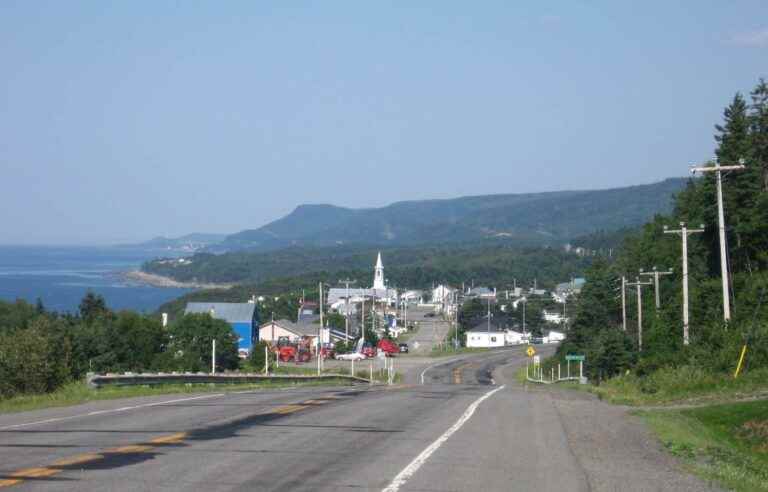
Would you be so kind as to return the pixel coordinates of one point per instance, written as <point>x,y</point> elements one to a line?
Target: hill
<point>526,219</point>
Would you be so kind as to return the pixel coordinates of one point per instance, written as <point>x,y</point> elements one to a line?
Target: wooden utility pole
<point>656,274</point>
<point>347,282</point>
<point>639,286</point>
<point>624,303</point>
<point>684,232</point>
<point>718,170</point>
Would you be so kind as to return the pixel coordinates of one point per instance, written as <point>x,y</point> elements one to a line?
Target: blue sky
<point>120,121</point>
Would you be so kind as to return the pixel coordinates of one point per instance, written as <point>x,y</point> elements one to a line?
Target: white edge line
<point>422,458</point>
<point>116,410</point>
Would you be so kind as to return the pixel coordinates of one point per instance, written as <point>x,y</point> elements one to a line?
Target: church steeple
<point>378,276</point>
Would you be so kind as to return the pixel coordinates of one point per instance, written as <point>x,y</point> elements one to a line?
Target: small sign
<point>531,352</point>
<point>579,358</point>
<point>536,360</point>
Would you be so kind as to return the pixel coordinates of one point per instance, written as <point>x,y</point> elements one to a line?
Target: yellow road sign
<point>531,352</point>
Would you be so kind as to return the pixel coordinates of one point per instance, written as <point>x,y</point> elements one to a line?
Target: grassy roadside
<point>682,385</point>
<point>77,393</point>
<point>727,443</point>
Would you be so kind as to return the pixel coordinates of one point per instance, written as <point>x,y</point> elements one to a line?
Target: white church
<point>379,292</point>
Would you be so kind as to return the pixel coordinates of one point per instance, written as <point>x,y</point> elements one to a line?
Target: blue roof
<point>231,312</point>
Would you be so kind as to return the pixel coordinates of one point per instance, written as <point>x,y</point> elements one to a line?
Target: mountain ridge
<point>529,217</point>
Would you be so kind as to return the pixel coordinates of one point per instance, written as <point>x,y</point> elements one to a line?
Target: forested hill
<point>525,219</point>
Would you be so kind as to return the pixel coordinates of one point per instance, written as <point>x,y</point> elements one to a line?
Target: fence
<point>537,374</point>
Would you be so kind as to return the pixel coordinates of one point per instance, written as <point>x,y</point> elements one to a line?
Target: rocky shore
<point>161,281</point>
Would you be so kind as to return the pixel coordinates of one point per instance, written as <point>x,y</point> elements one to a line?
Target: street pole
<point>656,274</point>
<point>489,322</point>
<point>213,358</point>
<point>684,232</point>
<point>639,286</point>
<point>718,170</point>
<point>347,282</point>
<point>624,303</point>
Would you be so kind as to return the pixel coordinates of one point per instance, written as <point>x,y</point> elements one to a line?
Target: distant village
<point>391,312</point>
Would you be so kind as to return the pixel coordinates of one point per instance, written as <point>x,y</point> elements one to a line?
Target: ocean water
<point>61,276</point>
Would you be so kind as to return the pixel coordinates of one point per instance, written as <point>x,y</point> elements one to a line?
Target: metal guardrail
<point>128,379</point>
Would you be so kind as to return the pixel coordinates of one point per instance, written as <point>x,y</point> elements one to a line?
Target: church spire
<point>378,276</point>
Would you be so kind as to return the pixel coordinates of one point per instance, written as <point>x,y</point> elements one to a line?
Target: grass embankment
<point>683,385</point>
<point>726,443</point>
<point>77,393</point>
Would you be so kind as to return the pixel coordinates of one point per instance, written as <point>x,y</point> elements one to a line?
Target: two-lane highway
<point>459,431</point>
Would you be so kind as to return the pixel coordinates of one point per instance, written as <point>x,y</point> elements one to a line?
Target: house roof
<point>483,328</point>
<point>231,312</point>
<point>301,328</point>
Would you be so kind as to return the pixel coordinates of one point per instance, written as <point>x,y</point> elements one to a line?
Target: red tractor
<point>289,351</point>
<point>388,347</point>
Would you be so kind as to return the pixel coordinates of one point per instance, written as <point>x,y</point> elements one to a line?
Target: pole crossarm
<point>656,274</point>
<point>717,169</point>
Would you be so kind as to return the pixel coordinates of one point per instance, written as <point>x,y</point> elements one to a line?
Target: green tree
<point>191,340</point>
<point>92,306</point>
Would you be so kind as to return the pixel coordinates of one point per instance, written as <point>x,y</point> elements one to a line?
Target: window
<point>493,339</point>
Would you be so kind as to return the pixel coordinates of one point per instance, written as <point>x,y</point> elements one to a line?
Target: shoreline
<point>161,281</point>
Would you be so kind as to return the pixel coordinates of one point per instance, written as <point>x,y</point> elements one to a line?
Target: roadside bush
<point>257,358</point>
<point>32,360</point>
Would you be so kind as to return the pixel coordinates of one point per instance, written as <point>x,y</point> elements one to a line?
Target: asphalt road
<point>469,427</point>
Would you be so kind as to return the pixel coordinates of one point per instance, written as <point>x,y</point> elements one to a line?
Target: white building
<point>480,337</point>
<point>554,317</point>
<point>442,293</point>
<point>512,337</point>
<point>554,337</point>
<point>271,331</point>
<point>379,291</point>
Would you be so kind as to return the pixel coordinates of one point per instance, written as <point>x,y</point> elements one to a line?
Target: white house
<point>512,337</point>
<point>411,296</point>
<point>554,317</point>
<point>271,331</point>
<point>442,293</point>
<point>480,337</point>
<point>554,337</point>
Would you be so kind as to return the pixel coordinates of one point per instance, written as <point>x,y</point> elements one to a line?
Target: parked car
<point>537,340</point>
<point>350,356</point>
<point>403,348</point>
<point>429,315</point>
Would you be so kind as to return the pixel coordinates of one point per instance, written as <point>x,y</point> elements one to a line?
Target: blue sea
<point>61,276</point>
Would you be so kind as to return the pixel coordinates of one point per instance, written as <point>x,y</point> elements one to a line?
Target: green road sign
<point>574,357</point>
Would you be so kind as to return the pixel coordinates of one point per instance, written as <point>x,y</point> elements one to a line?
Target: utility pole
<point>684,233</point>
<point>320,329</point>
<point>489,321</point>
<point>718,170</point>
<point>656,274</point>
<point>213,358</point>
<point>624,303</point>
<point>347,282</point>
<point>639,286</point>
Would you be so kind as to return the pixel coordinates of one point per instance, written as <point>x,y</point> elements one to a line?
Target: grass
<point>77,393</point>
<point>726,443</point>
<point>682,385</point>
<point>437,352</point>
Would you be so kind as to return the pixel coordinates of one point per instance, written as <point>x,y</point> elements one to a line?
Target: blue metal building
<point>242,316</point>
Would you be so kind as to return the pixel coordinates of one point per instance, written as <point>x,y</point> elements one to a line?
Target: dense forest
<point>40,350</point>
<point>413,267</point>
<point>715,345</point>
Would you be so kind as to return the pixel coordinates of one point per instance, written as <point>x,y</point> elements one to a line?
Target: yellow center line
<point>171,439</point>
<point>78,460</point>
<point>131,448</point>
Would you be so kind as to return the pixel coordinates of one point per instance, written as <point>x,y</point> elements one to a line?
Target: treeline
<point>714,344</point>
<point>41,350</point>
<point>416,267</point>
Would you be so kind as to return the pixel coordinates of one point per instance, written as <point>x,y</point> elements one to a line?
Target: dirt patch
<point>756,433</point>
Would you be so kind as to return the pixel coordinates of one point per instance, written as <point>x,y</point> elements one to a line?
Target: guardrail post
<point>266,360</point>
<point>352,372</point>
<point>558,372</point>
